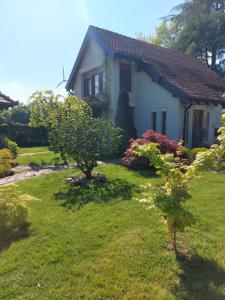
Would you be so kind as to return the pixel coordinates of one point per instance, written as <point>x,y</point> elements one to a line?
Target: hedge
<point>24,135</point>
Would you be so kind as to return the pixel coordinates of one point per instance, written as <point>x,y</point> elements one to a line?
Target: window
<point>93,83</point>
<point>163,122</point>
<point>125,77</point>
<point>187,128</point>
<point>101,82</point>
<point>154,119</point>
<point>87,87</point>
<point>207,125</point>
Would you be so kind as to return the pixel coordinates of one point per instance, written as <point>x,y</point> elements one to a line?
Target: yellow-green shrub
<point>13,215</point>
<point>8,144</point>
<point>6,161</point>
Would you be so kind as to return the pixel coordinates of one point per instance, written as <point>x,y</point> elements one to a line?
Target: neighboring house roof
<point>6,101</point>
<point>179,73</point>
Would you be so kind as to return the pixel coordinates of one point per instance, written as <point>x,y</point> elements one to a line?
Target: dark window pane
<point>154,120</point>
<point>93,84</point>
<point>100,82</point>
<point>187,128</point>
<point>125,77</point>
<point>86,87</point>
<point>207,125</point>
<point>163,122</point>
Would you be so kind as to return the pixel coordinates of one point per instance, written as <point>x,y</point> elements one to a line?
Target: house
<point>170,92</point>
<point>6,102</point>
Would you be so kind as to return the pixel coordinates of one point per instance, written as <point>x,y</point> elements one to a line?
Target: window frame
<point>93,82</point>
<point>154,120</point>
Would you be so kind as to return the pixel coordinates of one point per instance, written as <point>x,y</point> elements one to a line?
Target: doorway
<point>197,128</point>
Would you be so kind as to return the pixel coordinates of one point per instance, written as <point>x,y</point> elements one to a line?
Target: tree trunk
<point>174,239</point>
<point>88,173</point>
<point>213,62</point>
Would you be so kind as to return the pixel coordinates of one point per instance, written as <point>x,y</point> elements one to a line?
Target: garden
<point>146,228</point>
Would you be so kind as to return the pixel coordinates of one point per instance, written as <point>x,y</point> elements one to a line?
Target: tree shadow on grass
<point>113,189</point>
<point>200,278</point>
<point>8,238</point>
<point>147,173</point>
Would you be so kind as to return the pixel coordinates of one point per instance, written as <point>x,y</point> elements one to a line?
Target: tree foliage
<point>174,191</point>
<point>124,119</point>
<point>17,114</point>
<point>196,27</point>
<point>73,131</point>
<point>165,35</point>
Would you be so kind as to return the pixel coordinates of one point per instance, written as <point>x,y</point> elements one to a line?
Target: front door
<point>197,128</point>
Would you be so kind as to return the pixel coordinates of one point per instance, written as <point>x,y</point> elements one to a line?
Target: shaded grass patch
<point>113,189</point>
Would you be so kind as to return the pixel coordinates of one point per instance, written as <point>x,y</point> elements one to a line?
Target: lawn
<point>33,149</point>
<point>37,156</point>
<point>99,243</point>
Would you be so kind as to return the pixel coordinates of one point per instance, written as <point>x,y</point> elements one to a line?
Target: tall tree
<point>196,27</point>
<point>200,31</point>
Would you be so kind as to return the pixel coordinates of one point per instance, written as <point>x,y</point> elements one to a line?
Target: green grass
<point>48,158</point>
<point>98,243</point>
<point>33,149</point>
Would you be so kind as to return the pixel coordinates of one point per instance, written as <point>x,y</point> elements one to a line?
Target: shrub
<point>132,160</point>
<point>124,119</point>
<point>6,160</point>
<point>183,156</point>
<point>195,151</point>
<point>24,135</point>
<point>7,143</point>
<point>13,216</point>
<point>73,131</point>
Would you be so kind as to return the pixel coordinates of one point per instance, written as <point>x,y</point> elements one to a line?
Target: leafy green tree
<point>124,119</point>
<point>73,131</point>
<point>43,104</point>
<point>17,114</point>
<point>200,31</point>
<point>165,35</point>
<point>170,197</point>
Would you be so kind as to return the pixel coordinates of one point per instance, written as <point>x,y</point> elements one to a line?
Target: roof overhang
<point>6,102</point>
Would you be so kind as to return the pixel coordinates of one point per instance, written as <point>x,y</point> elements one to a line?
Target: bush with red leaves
<point>131,160</point>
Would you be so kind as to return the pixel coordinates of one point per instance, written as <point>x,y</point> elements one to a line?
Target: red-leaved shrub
<point>131,160</point>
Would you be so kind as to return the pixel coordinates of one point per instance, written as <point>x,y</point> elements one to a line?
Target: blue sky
<point>39,37</point>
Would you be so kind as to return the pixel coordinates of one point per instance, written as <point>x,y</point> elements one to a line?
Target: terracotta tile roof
<point>193,79</point>
<point>6,101</point>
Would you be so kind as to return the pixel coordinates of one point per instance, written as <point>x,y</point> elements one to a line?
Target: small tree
<point>173,193</point>
<point>75,133</point>
<point>124,119</point>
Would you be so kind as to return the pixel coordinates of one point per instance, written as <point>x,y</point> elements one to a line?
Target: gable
<point>93,56</point>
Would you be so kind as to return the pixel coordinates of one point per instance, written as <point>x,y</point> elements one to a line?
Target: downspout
<point>186,108</point>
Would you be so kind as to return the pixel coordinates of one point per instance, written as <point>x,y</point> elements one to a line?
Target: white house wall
<point>151,97</point>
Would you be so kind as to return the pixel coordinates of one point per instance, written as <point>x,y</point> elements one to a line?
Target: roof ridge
<point>144,42</point>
